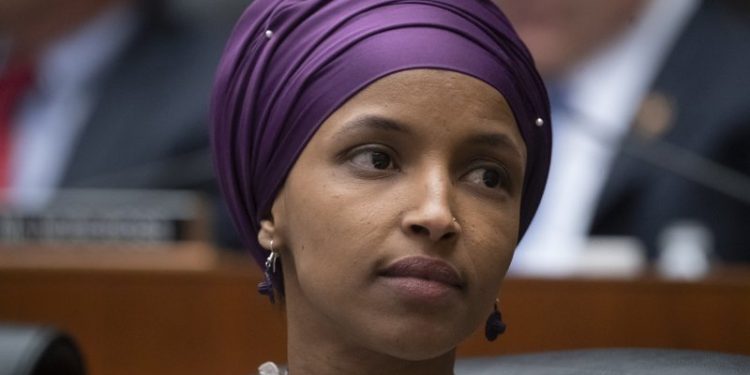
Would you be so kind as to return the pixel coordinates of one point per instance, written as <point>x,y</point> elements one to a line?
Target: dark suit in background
<point>148,127</point>
<point>707,78</point>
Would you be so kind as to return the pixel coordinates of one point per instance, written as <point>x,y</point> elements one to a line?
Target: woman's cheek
<point>491,255</point>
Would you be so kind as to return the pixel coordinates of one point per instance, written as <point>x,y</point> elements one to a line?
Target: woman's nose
<point>431,216</point>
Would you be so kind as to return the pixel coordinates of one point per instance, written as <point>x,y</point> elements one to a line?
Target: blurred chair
<point>34,350</point>
<point>609,362</point>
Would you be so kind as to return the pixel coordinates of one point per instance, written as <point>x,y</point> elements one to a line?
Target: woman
<point>387,156</point>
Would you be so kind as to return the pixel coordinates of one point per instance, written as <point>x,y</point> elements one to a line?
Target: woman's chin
<point>419,350</point>
<point>419,342</point>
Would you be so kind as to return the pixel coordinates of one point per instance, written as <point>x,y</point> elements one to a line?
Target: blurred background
<point>112,96</point>
<point>111,227</point>
<point>651,159</point>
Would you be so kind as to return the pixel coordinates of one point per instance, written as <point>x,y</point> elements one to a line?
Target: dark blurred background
<point>109,95</point>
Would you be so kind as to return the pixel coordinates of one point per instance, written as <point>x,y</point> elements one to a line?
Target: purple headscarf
<point>289,64</point>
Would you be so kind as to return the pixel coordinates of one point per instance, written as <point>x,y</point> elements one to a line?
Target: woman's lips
<point>424,268</point>
<point>422,278</point>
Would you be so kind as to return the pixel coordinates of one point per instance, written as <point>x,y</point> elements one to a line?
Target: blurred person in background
<point>651,113</point>
<point>102,94</point>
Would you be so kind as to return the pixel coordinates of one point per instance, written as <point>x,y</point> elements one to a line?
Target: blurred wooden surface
<point>194,312</point>
<point>646,311</point>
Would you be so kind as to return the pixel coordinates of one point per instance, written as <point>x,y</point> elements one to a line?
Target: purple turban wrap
<point>289,64</point>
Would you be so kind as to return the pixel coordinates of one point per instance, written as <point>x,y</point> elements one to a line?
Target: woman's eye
<point>373,159</point>
<point>488,177</point>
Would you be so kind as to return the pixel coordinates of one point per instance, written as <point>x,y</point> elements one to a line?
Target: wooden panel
<point>552,314</point>
<point>193,317</point>
<point>199,314</point>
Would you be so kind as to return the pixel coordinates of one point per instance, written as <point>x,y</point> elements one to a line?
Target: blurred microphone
<point>644,142</point>
<point>654,118</point>
<point>686,247</point>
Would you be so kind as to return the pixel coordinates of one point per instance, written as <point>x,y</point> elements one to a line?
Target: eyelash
<point>503,176</point>
<point>371,171</point>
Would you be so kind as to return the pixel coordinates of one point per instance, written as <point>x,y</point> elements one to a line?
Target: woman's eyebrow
<point>495,140</point>
<point>373,122</point>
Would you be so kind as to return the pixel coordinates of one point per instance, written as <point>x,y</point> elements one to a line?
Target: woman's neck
<point>310,356</point>
<point>319,344</point>
<point>320,347</point>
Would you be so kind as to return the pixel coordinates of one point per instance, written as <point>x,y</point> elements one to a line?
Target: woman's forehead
<point>429,95</point>
<point>426,81</point>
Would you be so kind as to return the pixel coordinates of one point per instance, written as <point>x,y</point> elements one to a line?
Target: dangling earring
<point>265,287</point>
<point>495,326</point>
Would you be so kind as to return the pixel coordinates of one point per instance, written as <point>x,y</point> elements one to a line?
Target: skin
<point>362,196</point>
<point>561,34</point>
<point>34,24</point>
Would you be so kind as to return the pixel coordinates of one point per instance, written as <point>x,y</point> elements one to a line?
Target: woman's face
<point>371,253</point>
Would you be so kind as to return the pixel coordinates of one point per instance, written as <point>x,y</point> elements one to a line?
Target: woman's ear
<point>267,233</point>
<point>272,227</point>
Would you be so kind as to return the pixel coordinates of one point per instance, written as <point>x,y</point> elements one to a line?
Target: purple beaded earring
<point>495,326</point>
